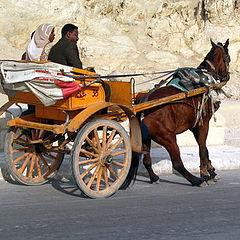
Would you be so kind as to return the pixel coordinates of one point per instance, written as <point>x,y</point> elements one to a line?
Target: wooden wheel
<point>101,158</point>
<point>32,155</point>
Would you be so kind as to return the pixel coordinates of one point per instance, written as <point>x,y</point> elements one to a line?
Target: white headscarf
<point>39,41</point>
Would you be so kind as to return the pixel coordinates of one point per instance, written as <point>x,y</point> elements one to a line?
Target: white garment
<point>38,42</point>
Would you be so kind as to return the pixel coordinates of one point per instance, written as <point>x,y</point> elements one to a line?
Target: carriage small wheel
<point>101,158</point>
<point>32,155</point>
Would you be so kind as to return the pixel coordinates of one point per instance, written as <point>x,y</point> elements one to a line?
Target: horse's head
<point>217,61</point>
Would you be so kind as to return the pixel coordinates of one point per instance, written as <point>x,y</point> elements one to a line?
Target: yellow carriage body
<point>120,93</point>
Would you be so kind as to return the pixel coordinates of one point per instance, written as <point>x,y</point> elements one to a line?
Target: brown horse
<point>165,122</point>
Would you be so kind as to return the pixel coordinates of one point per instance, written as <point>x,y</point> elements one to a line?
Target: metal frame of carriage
<point>87,127</point>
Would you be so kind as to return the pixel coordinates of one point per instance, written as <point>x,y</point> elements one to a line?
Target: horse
<point>164,122</point>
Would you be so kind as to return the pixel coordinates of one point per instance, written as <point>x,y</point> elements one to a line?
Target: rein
<point>161,73</point>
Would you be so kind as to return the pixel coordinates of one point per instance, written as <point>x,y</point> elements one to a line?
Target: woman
<point>38,49</point>
<point>41,43</point>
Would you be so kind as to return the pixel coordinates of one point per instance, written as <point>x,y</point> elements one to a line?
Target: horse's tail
<point>132,174</point>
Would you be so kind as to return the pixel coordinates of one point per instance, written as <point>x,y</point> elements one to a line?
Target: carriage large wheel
<point>31,155</point>
<point>101,158</point>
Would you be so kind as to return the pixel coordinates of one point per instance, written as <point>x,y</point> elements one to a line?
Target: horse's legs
<point>147,161</point>
<point>207,171</point>
<point>169,141</point>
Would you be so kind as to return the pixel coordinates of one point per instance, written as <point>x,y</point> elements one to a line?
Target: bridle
<point>225,78</point>
<point>226,61</point>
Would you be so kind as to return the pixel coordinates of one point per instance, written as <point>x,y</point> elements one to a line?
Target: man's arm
<point>72,56</point>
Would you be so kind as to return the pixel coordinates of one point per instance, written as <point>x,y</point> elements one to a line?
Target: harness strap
<point>211,65</point>
<point>200,109</point>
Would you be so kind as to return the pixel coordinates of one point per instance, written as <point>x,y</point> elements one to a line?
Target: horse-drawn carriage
<point>78,113</point>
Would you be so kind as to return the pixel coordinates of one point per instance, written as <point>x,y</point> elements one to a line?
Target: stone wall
<point>126,36</point>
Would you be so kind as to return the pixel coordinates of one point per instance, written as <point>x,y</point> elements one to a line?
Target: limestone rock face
<point>130,36</point>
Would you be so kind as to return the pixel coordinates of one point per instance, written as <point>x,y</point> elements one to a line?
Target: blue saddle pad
<point>176,83</point>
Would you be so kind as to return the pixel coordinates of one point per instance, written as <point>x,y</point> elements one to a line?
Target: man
<point>65,51</point>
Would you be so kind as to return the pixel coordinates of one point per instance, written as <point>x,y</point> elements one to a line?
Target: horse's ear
<point>226,43</point>
<point>213,44</point>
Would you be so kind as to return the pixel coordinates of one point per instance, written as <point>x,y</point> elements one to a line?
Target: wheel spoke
<point>104,138</point>
<point>89,161</point>
<point>115,144</point>
<point>44,162</point>
<point>42,134</point>
<point>88,154</point>
<point>89,141</point>
<point>105,176</point>
<point>90,182</point>
<point>23,167</point>
<point>39,171</point>
<point>50,155</point>
<point>113,133</point>
<point>118,153</point>
<point>19,138</point>
<point>33,134</point>
<point>20,141</point>
<point>99,177</point>
<point>20,134</point>
<point>84,174</point>
<point>118,164</point>
<point>20,149</point>
<point>96,138</point>
<point>112,171</point>
<point>53,149</point>
<point>37,133</point>
<point>21,157</point>
<point>24,133</point>
<point>31,169</point>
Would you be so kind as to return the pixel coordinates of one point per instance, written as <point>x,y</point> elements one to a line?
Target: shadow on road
<point>7,176</point>
<point>161,180</point>
<point>68,187</point>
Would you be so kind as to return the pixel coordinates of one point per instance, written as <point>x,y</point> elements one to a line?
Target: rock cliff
<point>129,36</point>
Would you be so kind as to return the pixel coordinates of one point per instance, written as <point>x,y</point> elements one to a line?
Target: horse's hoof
<point>154,179</point>
<point>216,178</point>
<point>155,182</point>
<point>203,184</point>
<point>200,183</point>
<point>211,182</point>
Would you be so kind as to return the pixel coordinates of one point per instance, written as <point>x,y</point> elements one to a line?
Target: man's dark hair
<point>68,28</point>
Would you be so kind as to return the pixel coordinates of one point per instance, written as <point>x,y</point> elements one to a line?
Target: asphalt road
<point>170,210</point>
